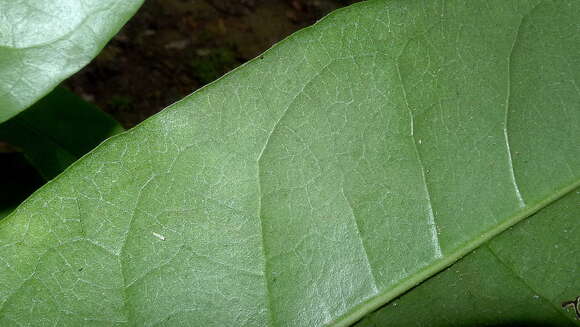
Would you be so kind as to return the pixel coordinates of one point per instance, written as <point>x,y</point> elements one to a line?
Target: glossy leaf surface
<point>44,42</point>
<point>311,186</point>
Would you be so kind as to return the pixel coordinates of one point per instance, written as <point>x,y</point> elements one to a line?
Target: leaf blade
<point>259,193</point>
<point>512,287</point>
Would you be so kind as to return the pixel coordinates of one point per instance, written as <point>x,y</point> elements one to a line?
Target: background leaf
<point>19,180</point>
<point>313,185</point>
<point>57,131</point>
<point>44,42</point>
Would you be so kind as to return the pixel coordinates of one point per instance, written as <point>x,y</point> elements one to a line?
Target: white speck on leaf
<point>159,236</point>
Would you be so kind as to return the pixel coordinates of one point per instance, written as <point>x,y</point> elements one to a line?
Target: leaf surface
<point>44,42</point>
<point>316,183</point>
<point>520,278</point>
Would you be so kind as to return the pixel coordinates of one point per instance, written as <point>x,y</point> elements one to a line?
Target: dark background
<point>172,47</point>
<point>166,51</point>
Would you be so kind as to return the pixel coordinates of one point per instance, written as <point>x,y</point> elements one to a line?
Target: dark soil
<point>172,47</point>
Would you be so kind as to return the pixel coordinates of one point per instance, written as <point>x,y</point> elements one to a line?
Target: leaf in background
<point>44,42</point>
<point>520,278</point>
<point>58,130</point>
<point>19,180</point>
<point>351,162</point>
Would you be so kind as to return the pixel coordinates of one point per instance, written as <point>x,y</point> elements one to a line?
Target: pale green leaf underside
<point>309,187</point>
<point>44,42</point>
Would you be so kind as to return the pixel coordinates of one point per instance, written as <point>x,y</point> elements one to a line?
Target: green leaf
<point>44,42</point>
<point>58,130</point>
<point>520,278</point>
<point>318,182</point>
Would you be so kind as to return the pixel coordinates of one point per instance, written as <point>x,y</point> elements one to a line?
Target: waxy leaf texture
<point>316,183</point>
